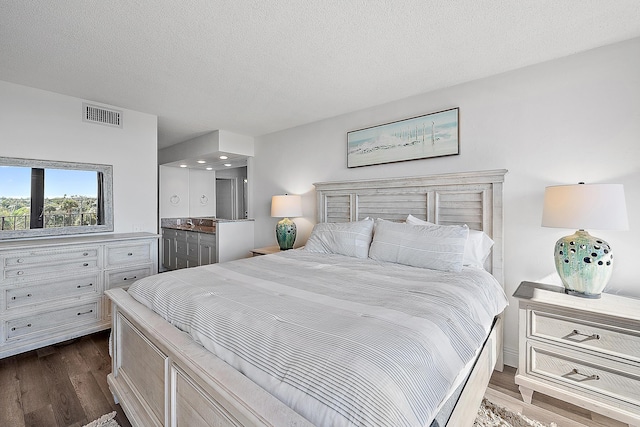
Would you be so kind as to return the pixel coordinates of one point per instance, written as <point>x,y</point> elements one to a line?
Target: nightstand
<point>583,351</point>
<point>266,250</point>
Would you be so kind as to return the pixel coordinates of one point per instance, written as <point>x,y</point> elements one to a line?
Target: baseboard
<point>510,356</point>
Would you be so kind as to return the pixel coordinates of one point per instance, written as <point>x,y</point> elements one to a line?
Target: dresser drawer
<point>45,291</point>
<point>26,259</point>
<point>128,254</point>
<point>126,276</point>
<point>51,320</point>
<point>589,374</point>
<point>585,334</point>
<point>21,272</point>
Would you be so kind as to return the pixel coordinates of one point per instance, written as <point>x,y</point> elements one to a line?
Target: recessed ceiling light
<point>183,166</point>
<point>227,164</point>
<point>202,161</point>
<point>209,168</point>
<point>223,157</point>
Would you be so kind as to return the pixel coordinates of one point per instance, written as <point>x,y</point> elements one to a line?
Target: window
<point>45,198</point>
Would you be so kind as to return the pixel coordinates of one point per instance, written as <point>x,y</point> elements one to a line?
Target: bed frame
<point>161,377</point>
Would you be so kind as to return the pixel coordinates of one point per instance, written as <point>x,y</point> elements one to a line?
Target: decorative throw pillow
<point>342,238</point>
<point>428,246</point>
<point>476,250</point>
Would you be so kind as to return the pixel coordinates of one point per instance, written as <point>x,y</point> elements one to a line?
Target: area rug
<point>489,415</point>
<point>104,421</point>
<point>492,415</point>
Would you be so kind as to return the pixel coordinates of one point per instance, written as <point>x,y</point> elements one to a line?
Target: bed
<point>164,375</point>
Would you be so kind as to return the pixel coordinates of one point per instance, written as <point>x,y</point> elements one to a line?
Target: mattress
<point>342,341</point>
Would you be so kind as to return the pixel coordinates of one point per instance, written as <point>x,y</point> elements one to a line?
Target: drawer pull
<point>85,312</point>
<point>84,286</point>
<point>20,261</point>
<point>130,254</point>
<point>85,254</point>
<point>19,273</point>
<point>23,296</point>
<point>587,337</point>
<point>15,328</point>
<point>130,278</point>
<point>86,264</point>
<point>585,377</point>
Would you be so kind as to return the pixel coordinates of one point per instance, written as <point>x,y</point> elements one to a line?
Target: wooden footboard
<point>161,377</point>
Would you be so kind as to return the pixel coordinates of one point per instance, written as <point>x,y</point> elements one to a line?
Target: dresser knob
<point>85,254</point>
<point>86,264</point>
<point>130,254</point>
<point>20,261</point>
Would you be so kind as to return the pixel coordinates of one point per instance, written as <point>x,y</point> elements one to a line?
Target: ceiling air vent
<point>101,115</point>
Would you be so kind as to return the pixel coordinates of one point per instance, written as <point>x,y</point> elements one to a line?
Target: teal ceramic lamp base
<point>584,264</point>
<point>286,233</point>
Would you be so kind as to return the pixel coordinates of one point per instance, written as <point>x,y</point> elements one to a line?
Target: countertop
<point>196,228</point>
<point>200,224</point>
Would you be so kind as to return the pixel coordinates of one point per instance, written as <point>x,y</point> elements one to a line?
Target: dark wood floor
<point>60,385</point>
<point>66,385</point>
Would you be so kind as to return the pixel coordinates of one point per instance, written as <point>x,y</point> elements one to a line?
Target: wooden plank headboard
<point>472,198</point>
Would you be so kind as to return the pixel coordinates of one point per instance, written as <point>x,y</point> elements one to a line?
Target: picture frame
<point>430,135</point>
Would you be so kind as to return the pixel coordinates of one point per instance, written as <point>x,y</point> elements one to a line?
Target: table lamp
<point>286,206</point>
<point>584,262</point>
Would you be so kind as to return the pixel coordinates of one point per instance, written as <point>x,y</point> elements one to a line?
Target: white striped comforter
<point>340,340</point>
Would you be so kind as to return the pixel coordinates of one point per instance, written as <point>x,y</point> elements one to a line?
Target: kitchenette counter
<point>206,225</point>
<point>196,228</point>
<point>194,241</point>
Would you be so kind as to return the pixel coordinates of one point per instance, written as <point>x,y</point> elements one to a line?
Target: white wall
<point>37,124</point>
<point>560,122</point>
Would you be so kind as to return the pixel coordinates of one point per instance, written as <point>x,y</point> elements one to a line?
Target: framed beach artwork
<point>431,135</point>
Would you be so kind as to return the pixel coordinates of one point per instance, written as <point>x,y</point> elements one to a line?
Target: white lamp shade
<point>289,205</point>
<point>585,206</point>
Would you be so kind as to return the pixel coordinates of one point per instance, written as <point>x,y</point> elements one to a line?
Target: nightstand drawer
<point>600,376</point>
<point>584,334</point>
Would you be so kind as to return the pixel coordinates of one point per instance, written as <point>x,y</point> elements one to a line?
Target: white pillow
<point>427,246</point>
<point>343,238</point>
<point>476,250</point>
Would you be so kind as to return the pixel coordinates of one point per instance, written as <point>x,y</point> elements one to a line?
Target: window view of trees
<point>54,198</point>
<point>63,211</point>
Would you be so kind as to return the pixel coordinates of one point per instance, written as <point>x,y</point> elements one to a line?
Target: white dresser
<point>51,290</point>
<point>583,351</point>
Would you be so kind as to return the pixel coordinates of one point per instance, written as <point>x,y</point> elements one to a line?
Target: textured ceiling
<point>255,67</point>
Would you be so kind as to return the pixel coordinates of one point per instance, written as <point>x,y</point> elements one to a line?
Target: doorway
<point>226,198</point>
